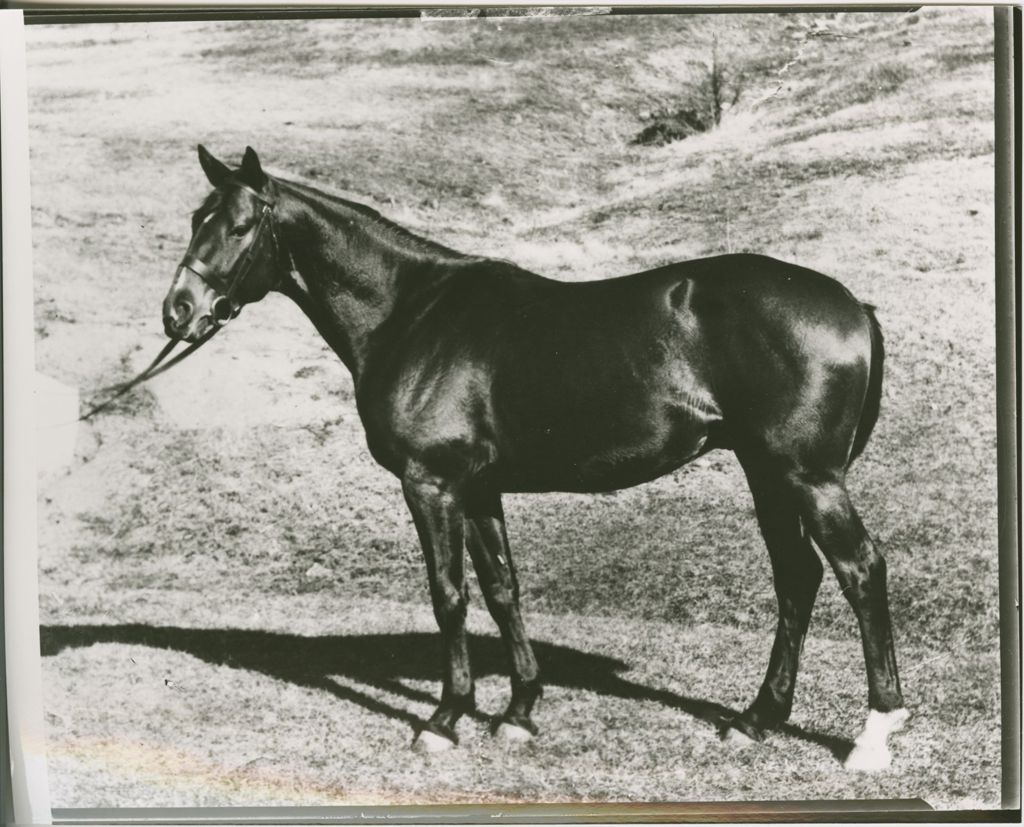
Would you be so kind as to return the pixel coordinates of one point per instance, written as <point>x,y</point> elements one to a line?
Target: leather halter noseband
<point>226,299</point>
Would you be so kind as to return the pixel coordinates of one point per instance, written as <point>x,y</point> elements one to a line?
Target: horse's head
<point>235,256</point>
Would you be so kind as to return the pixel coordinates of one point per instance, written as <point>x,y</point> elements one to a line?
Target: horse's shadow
<point>384,660</point>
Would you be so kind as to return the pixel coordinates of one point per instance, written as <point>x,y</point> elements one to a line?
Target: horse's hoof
<point>870,751</point>
<point>512,734</point>
<point>430,743</point>
<point>870,758</point>
<point>736,738</point>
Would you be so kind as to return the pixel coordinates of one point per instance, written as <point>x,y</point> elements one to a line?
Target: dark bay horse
<point>474,377</point>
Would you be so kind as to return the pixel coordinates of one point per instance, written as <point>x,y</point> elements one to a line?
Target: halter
<point>225,300</point>
<point>224,308</point>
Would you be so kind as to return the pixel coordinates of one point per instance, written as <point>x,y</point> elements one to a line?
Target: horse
<point>474,377</point>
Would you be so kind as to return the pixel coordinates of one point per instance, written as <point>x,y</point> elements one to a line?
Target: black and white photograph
<point>517,406</point>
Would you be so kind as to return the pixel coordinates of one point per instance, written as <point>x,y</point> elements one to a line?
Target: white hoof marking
<point>868,759</point>
<point>735,738</point>
<point>430,743</point>
<point>512,734</point>
<point>870,751</point>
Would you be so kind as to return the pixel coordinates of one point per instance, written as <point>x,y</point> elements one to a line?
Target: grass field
<point>234,603</point>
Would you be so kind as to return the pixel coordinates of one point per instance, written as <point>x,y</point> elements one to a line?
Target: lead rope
<point>154,369</point>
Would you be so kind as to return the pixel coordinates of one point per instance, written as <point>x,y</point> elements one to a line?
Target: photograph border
<point>26,800</point>
<point>23,662</point>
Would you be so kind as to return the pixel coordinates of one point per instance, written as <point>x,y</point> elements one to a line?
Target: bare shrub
<point>717,89</point>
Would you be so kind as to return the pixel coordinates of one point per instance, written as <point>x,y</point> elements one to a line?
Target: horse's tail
<point>873,399</point>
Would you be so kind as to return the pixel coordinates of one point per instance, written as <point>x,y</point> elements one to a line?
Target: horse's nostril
<point>221,310</point>
<point>182,310</point>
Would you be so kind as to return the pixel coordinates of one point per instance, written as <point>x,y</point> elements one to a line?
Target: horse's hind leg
<point>797,573</point>
<point>488,548</point>
<point>835,526</point>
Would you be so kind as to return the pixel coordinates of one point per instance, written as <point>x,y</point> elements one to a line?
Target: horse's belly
<point>594,457</point>
<point>608,397</point>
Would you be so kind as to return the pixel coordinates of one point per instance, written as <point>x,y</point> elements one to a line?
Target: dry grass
<point>236,493</point>
<point>624,719</point>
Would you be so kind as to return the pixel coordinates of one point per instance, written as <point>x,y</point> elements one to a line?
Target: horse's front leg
<point>438,512</point>
<point>488,547</point>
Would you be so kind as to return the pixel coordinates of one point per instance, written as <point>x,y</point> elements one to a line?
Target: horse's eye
<point>239,231</point>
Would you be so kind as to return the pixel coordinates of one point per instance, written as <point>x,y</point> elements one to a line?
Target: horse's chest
<point>431,414</point>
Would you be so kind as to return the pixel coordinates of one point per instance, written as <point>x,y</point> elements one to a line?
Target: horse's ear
<point>214,169</point>
<point>251,172</point>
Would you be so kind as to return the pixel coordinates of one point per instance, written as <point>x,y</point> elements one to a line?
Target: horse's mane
<point>381,229</point>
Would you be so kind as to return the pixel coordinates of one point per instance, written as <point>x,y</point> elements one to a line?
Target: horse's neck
<point>345,279</point>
